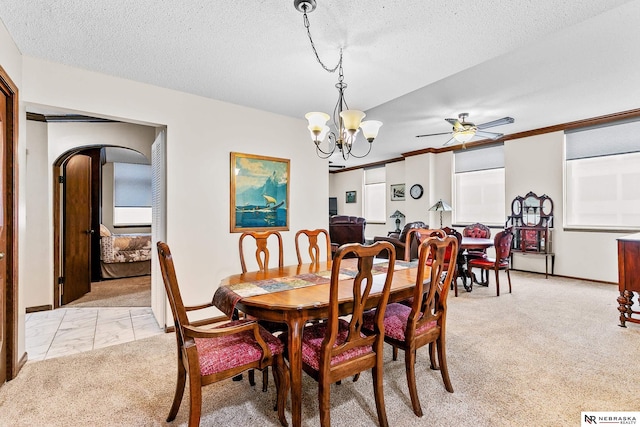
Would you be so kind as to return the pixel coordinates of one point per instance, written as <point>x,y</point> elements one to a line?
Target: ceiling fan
<point>463,131</point>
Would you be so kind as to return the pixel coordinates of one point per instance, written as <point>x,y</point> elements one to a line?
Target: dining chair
<point>502,243</point>
<point>262,255</point>
<point>409,328</point>
<point>337,348</point>
<point>262,250</point>
<point>314,248</point>
<point>210,355</point>
<point>481,231</point>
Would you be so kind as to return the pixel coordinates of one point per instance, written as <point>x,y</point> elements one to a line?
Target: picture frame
<point>397,192</point>
<point>350,197</point>
<point>259,193</point>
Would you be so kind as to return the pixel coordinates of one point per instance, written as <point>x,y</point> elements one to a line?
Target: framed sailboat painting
<point>259,193</point>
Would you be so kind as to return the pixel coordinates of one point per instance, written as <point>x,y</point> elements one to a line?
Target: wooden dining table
<point>472,243</point>
<point>298,294</point>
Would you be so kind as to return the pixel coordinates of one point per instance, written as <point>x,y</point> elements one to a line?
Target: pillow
<point>104,231</point>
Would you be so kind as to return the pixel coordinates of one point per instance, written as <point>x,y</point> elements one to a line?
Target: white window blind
<point>479,186</point>
<point>132,194</point>
<point>374,195</point>
<point>602,172</point>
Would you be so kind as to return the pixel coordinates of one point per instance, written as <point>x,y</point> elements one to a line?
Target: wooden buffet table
<point>628,277</point>
<point>289,295</point>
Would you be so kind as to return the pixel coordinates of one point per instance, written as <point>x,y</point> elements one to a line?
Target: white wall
<point>200,135</point>
<point>531,164</point>
<point>38,178</point>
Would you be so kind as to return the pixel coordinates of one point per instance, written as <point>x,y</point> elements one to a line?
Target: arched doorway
<point>83,203</point>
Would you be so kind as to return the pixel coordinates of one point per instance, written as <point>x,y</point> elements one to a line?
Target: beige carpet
<point>126,292</point>
<point>537,357</point>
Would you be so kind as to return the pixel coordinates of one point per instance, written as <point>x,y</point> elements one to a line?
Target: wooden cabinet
<point>532,221</point>
<point>628,277</point>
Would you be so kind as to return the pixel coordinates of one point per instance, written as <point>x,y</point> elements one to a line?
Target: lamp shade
<point>441,206</point>
<point>317,121</point>
<point>370,129</point>
<point>397,214</point>
<point>352,119</point>
<point>465,135</point>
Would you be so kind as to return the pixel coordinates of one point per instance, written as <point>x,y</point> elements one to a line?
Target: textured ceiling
<point>408,63</point>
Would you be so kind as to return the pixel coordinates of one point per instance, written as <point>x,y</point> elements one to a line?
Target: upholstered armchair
<point>403,241</point>
<point>346,229</point>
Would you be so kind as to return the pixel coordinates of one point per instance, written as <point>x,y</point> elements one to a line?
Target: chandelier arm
<point>313,46</point>
<point>362,156</point>
<point>332,141</point>
<point>323,155</point>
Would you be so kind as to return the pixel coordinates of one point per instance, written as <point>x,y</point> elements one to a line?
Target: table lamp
<point>441,206</point>
<point>397,215</point>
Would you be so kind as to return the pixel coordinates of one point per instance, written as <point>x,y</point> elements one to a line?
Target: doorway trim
<point>11,181</point>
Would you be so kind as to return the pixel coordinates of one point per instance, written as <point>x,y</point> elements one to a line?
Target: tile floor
<point>64,331</point>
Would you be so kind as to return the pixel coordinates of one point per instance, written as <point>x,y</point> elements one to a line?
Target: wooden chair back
<point>422,234</point>
<point>433,307</point>
<point>502,243</point>
<point>262,249</point>
<point>314,248</point>
<point>477,230</point>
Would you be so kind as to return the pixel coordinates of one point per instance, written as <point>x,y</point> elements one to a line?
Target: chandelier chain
<point>313,46</point>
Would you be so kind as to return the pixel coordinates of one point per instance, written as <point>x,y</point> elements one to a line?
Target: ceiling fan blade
<point>433,134</point>
<point>490,135</point>
<point>499,122</point>
<point>455,123</point>
<point>449,142</point>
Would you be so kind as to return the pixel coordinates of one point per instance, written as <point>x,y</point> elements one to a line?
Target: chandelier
<point>346,122</point>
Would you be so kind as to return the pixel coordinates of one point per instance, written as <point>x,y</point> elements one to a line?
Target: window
<point>479,186</point>
<point>374,195</point>
<point>602,171</point>
<point>131,194</point>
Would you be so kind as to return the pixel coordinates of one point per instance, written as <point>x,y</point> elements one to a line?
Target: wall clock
<point>416,191</point>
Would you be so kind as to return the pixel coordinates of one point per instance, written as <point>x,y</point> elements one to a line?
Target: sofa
<point>399,240</point>
<point>346,229</point>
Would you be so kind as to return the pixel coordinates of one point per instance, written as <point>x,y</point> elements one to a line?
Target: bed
<point>124,255</point>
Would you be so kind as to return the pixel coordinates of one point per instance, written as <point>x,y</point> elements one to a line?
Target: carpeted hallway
<point>538,356</point>
<point>125,292</point>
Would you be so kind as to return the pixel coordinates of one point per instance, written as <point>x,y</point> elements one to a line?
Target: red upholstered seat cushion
<point>487,263</point>
<point>312,341</point>
<point>395,321</point>
<point>219,354</point>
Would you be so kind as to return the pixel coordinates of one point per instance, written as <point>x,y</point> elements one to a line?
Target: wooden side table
<point>628,277</point>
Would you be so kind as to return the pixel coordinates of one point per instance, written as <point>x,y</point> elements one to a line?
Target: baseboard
<point>39,308</point>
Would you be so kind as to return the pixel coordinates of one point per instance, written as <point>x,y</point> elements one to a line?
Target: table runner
<point>226,297</point>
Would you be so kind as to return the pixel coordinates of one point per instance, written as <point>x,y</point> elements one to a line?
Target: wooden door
<point>76,256</point>
<point>3,241</point>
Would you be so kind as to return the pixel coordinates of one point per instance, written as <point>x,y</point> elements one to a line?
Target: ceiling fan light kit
<point>463,131</point>
<point>347,122</point>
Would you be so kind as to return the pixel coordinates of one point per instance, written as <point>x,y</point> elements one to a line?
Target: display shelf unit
<point>532,221</point>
